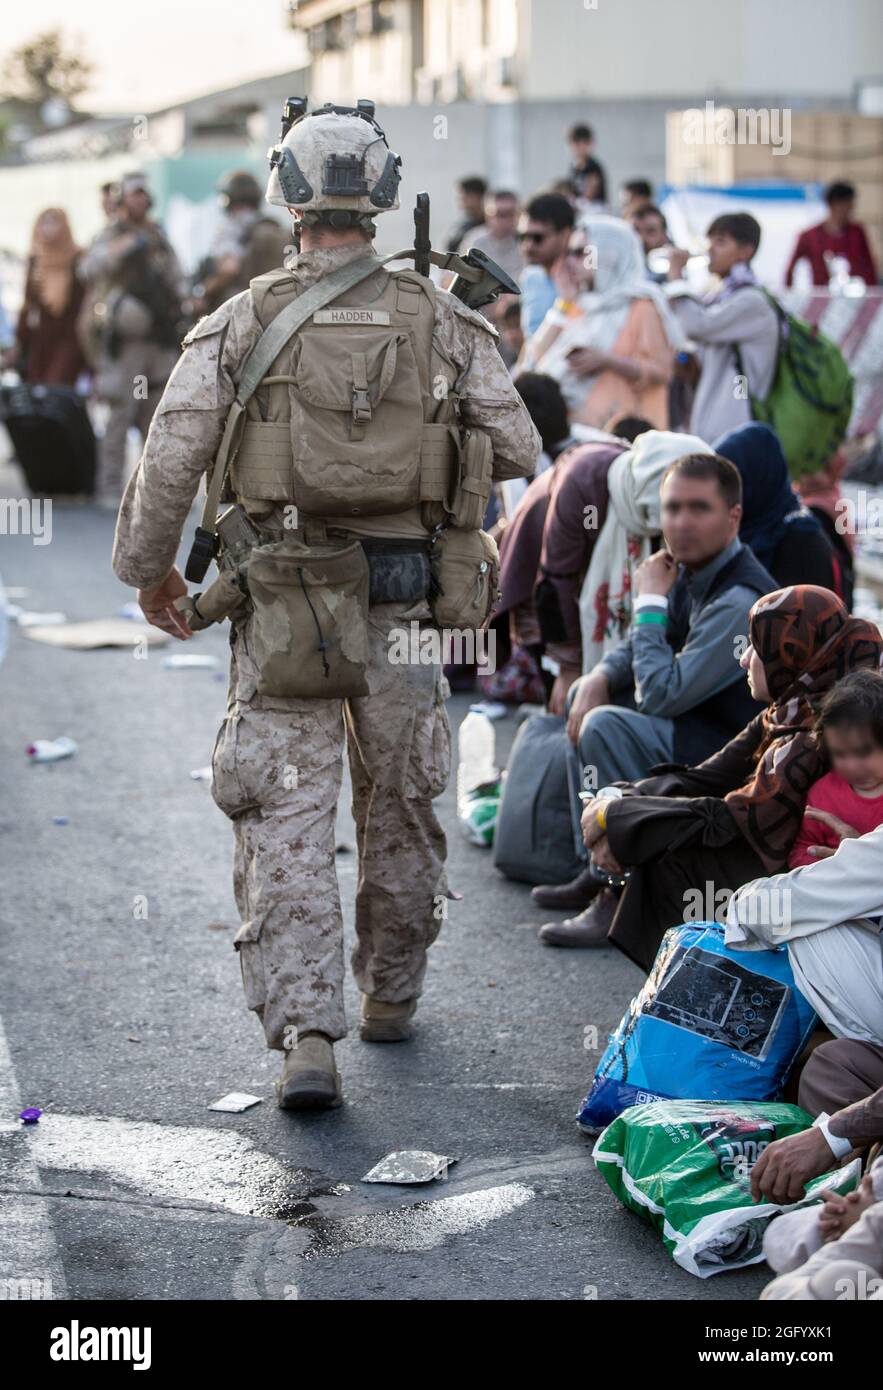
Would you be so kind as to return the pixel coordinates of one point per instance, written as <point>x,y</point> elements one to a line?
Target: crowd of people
<point>683,608</point>
<point>107,320</point>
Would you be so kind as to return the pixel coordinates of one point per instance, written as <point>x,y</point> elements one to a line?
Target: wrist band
<point>838,1145</point>
<point>601,817</point>
<point>646,616</point>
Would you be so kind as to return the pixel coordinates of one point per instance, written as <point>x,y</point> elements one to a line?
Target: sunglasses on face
<point>535,238</point>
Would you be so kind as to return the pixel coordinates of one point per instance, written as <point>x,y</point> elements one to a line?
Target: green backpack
<point>810,401</point>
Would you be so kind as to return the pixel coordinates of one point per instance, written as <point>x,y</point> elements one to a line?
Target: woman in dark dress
<point>734,817</point>
<point>785,536</point>
<point>47,350</point>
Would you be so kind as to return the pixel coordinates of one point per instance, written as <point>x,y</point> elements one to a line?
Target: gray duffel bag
<point>535,840</point>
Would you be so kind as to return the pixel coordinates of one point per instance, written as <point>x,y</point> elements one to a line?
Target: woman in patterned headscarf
<point>711,828</point>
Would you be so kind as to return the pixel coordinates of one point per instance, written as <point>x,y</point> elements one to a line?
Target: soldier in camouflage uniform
<point>278,761</point>
<point>131,325</point>
<point>247,243</point>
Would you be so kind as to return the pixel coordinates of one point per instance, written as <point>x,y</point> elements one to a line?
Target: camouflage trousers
<point>277,770</point>
<point>123,384</point>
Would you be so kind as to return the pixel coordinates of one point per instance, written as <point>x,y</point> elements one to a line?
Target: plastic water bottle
<point>477,748</point>
<point>50,750</point>
<point>838,273</point>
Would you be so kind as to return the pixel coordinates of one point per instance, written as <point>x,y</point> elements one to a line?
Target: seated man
<point>848,1265</point>
<point>841,1086</point>
<point>830,916</point>
<point>673,690</point>
<point>831,923</point>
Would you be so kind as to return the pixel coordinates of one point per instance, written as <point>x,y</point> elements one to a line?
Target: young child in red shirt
<point>848,801</point>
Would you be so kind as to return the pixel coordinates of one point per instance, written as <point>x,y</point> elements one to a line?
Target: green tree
<point>47,66</point>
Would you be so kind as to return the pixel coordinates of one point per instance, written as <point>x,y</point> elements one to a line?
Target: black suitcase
<point>52,436</point>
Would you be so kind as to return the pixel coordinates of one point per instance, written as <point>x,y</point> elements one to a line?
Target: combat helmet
<point>333,165</point>
<point>240,186</point>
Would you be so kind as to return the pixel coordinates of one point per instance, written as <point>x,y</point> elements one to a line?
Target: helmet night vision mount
<point>332,171</point>
<point>334,166</point>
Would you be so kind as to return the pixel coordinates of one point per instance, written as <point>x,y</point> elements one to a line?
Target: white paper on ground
<point>235,1102</point>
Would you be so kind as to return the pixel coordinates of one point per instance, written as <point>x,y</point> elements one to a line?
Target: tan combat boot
<point>309,1080</point>
<point>382,1022</point>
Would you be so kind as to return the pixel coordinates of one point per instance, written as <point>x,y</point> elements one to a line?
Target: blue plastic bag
<point>709,1024</point>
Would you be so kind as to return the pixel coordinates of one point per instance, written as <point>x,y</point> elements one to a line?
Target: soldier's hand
<point>157,605</point>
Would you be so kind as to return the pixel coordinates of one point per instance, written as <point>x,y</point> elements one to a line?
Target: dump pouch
<point>308,631</point>
<point>466,572</point>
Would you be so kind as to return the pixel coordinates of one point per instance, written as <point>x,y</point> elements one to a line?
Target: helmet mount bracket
<point>342,173</point>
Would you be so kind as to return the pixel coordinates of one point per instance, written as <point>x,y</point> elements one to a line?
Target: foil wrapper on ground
<point>409,1166</point>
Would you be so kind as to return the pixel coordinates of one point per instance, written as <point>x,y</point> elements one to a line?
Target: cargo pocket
<point>429,762</point>
<point>228,790</point>
<point>247,943</point>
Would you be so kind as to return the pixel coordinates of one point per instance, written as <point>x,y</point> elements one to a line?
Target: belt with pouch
<point>398,569</point>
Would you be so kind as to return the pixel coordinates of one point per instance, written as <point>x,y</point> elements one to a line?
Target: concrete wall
<point>615,48</point>
<point>603,49</point>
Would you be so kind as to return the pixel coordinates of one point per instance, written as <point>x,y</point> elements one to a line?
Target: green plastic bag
<point>810,401</point>
<point>477,812</point>
<point>685,1165</point>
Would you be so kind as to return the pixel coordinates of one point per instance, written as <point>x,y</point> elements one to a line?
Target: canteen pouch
<point>466,572</point>
<point>308,629</point>
<point>473,487</point>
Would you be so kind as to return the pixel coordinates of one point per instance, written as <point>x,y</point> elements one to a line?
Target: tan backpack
<point>337,425</point>
<point>344,408</point>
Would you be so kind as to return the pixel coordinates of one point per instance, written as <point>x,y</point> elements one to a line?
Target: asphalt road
<point>124,1018</point>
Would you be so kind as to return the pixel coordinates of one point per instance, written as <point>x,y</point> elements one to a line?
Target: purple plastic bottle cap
<point>31,1115</point>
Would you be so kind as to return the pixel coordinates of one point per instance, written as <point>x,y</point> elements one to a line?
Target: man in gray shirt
<point>498,237</point>
<point>673,690</point>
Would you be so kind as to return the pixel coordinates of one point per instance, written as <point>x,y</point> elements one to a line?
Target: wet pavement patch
<point>419,1226</point>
